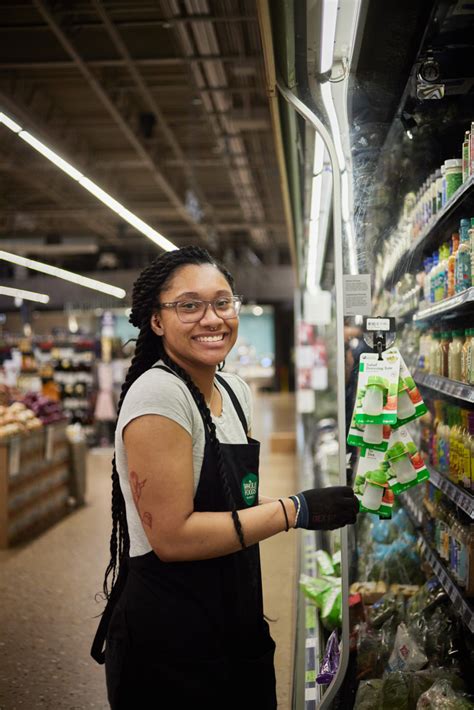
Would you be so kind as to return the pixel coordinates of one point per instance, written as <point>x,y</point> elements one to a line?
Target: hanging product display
<point>390,463</point>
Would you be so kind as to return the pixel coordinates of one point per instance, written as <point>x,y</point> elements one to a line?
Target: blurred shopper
<point>184,624</point>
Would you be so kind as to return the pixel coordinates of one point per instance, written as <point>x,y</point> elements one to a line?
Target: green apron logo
<point>250,488</point>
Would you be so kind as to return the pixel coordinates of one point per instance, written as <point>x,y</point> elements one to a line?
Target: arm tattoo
<point>137,487</point>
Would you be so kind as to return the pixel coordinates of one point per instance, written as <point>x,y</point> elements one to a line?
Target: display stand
<point>35,473</point>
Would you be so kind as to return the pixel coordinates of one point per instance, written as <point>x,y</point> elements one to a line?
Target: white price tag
<point>378,324</point>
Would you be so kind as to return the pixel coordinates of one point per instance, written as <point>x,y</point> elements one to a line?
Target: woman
<point>184,624</point>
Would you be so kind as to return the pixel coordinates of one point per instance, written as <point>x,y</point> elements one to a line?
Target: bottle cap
<point>401,385</point>
<point>458,333</point>
<point>397,450</point>
<point>377,381</point>
<point>378,477</point>
<point>465,222</point>
<point>445,336</point>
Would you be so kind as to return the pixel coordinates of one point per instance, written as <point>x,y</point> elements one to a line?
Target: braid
<point>145,297</point>
<point>204,409</point>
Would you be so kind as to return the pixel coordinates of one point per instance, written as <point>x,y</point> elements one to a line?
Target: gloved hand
<point>326,508</point>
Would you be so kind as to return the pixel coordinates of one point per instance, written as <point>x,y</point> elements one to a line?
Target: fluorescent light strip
<point>328,35</point>
<point>50,154</point>
<point>318,160</point>
<point>334,123</point>
<point>63,274</point>
<point>90,186</point>
<point>26,295</point>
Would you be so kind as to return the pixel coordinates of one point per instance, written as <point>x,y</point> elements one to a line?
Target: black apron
<point>192,634</point>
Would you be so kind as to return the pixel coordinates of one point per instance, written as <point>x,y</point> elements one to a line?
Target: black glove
<point>326,508</point>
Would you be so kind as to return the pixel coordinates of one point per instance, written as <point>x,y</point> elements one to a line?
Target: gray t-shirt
<point>160,392</point>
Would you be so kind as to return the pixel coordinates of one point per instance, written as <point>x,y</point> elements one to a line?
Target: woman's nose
<point>210,315</point>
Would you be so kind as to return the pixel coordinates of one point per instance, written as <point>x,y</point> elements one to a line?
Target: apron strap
<point>97,649</point>
<point>227,387</point>
<point>235,402</point>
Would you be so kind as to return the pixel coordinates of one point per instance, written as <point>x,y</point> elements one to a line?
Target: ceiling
<point>163,104</point>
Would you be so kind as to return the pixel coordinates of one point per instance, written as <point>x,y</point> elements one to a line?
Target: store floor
<point>47,589</point>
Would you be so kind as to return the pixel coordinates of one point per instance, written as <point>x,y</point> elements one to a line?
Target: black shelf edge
<point>457,495</point>
<point>451,388</point>
<point>454,202</point>
<point>460,604</point>
<point>446,306</point>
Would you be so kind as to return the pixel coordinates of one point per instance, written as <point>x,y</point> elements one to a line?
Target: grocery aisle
<point>47,589</point>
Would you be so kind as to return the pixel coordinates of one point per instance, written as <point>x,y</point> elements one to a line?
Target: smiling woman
<point>184,621</point>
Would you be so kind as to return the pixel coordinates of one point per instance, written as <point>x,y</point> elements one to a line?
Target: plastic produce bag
<point>325,564</point>
<point>330,662</point>
<point>325,592</point>
<point>442,696</point>
<point>406,654</point>
<point>368,694</point>
<point>395,694</point>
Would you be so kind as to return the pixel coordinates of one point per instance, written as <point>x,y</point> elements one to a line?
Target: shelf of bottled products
<point>462,607</point>
<point>448,305</point>
<point>461,194</point>
<point>443,385</point>
<point>457,495</point>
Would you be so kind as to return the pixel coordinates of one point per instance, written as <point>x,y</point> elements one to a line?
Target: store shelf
<point>412,510</point>
<point>452,388</point>
<point>457,495</point>
<point>449,305</point>
<point>424,239</point>
<point>460,604</point>
<point>313,634</point>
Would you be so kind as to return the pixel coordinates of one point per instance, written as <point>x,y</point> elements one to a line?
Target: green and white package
<point>410,402</point>
<point>403,462</point>
<point>369,436</point>
<point>371,484</point>
<point>376,399</point>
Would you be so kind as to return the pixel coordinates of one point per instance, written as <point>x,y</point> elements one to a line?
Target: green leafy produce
<point>368,695</point>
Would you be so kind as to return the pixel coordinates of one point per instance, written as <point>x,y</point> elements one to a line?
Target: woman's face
<point>189,344</point>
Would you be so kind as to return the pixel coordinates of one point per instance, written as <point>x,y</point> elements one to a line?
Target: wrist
<point>291,511</point>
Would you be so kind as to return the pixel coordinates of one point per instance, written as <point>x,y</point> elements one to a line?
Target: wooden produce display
<point>35,473</point>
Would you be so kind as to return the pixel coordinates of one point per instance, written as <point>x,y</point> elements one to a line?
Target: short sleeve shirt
<point>161,392</point>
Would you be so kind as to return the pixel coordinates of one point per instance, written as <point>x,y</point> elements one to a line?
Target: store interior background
<point>181,112</point>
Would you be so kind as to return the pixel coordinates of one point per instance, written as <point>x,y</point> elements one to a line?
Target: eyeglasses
<point>192,311</point>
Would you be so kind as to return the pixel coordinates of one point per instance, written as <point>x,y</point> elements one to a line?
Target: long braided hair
<point>149,348</point>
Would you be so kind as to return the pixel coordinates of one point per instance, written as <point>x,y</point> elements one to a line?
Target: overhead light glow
<point>9,123</point>
<point>63,274</point>
<point>50,154</point>
<point>257,310</point>
<point>90,186</point>
<point>328,35</point>
<point>21,294</point>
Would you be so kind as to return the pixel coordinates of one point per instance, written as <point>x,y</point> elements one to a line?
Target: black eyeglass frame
<point>174,304</point>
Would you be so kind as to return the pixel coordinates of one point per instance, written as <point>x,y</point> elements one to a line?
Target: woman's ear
<point>155,324</point>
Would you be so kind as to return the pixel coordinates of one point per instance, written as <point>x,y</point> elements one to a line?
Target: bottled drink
<point>463,268</point>
<point>452,265</point>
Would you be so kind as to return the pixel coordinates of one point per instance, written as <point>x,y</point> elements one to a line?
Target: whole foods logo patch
<point>250,488</point>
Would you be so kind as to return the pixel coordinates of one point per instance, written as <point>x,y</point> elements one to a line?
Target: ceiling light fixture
<point>63,274</point>
<point>87,184</point>
<point>26,295</point>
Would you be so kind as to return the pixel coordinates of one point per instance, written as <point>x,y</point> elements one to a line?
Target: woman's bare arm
<point>159,453</point>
